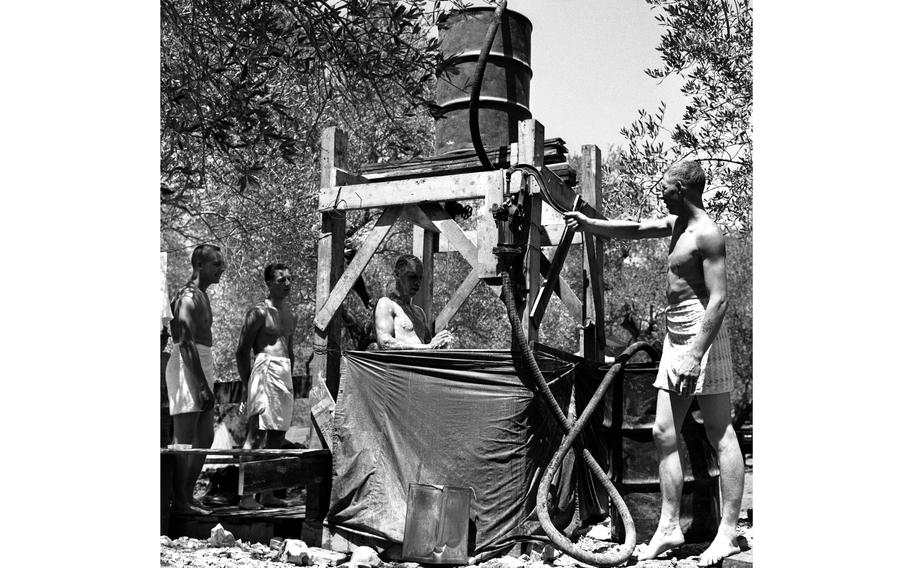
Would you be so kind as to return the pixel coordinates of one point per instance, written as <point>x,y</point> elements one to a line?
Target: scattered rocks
<point>326,557</point>
<point>166,541</point>
<point>295,552</point>
<point>600,532</point>
<point>364,557</point>
<point>221,538</point>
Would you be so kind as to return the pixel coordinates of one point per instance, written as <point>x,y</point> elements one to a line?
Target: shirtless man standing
<point>190,373</point>
<point>268,331</point>
<point>400,324</point>
<point>696,357</point>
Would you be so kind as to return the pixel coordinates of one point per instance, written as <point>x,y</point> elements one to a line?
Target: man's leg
<point>671,411</point>
<point>716,411</point>
<point>273,441</point>
<point>254,440</point>
<point>187,430</point>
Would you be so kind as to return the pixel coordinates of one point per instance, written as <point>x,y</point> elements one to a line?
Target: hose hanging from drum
<point>473,111</point>
<point>572,431</point>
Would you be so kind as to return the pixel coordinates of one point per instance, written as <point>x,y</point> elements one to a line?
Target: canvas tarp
<point>446,417</point>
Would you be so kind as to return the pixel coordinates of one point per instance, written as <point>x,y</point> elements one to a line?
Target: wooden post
<point>592,340</point>
<point>530,151</point>
<point>425,244</point>
<point>326,365</point>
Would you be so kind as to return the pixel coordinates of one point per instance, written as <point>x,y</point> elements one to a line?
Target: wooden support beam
<point>452,231</point>
<point>593,340</point>
<point>355,268</point>
<point>326,363</point>
<point>552,280</point>
<point>530,151</point>
<point>458,298</point>
<point>278,473</point>
<point>416,190</point>
<point>424,246</point>
<point>419,218</point>
<point>564,292</point>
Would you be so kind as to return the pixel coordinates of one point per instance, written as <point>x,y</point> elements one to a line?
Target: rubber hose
<point>473,111</point>
<point>572,431</point>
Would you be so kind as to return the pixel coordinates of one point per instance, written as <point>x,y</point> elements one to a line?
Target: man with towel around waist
<point>268,331</point>
<point>696,357</point>
<point>190,373</point>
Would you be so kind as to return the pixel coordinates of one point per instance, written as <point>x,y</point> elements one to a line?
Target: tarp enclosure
<point>446,417</point>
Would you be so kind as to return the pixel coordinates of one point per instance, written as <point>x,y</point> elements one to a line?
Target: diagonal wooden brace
<point>458,298</point>
<point>559,257</point>
<point>355,267</point>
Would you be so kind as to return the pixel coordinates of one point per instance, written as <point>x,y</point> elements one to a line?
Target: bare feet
<point>720,548</point>
<point>190,509</point>
<point>663,540</point>
<point>269,500</point>
<point>249,503</point>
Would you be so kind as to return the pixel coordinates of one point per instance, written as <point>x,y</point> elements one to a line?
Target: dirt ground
<point>186,552</point>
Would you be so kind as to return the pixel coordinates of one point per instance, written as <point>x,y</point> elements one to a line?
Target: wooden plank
<point>531,151</point>
<point>278,473</point>
<point>552,279</point>
<point>355,268</point>
<point>402,192</point>
<point>487,232</point>
<point>564,292</point>
<point>593,341</point>
<point>309,453</point>
<point>452,231</point>
<point>419,218</point>
<point>325,367</point>
<point>424,246</point>
<point>458,298</point>
<point>550,235</point>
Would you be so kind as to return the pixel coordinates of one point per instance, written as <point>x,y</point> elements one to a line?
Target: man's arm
<point>252,324</point>
<point>713,251</point>
<point>654,228</point>
<point>195,376</point>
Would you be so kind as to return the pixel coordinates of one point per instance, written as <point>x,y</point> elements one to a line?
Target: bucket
<point>436,524</point>
<point>634,401</point>
<point>505,93</point>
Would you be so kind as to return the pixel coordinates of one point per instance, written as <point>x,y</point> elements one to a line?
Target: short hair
<point>408,260</point>
<point>201,253</point>
<point>690,173</point>
<point>269,272</point>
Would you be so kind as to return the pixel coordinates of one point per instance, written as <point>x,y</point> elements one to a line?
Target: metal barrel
<point>632,408</point>
<point>505,93</point>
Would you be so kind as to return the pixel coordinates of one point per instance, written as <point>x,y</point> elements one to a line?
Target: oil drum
<point>632,406</point>
<point>505,92</point>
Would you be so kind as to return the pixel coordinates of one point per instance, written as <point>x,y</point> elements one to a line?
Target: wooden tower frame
<point>417,199</point>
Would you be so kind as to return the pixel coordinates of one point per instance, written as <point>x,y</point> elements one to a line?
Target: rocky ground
<point>187,552</point>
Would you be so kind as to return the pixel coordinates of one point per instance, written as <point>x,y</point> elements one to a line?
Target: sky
<point>588,58</point>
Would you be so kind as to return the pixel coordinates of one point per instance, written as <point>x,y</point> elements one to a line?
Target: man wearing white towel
<point>696,357</point>
<point>268,332</point>
<point>190,373</point>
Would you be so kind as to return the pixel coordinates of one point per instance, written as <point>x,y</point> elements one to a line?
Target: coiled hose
<point>571,431</point>
<point>473,111</point>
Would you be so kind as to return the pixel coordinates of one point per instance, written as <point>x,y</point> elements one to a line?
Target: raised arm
<point>185,324</point>
<point>252,324</point>
<point>654,228</point>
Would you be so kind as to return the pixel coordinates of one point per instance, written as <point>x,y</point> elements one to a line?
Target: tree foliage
<point>709,44</point>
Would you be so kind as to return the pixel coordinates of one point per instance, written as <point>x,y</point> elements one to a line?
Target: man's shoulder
<point>708,235</point>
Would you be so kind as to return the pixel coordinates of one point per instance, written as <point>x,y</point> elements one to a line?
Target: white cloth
<point>166,314</point>
<point>271,392</point>
<point>179,394</point>
<point>683,324</point>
